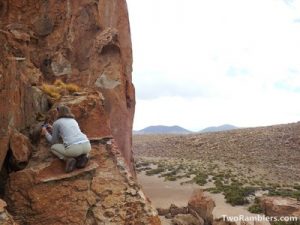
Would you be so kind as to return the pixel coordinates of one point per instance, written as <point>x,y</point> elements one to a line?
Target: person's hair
<point>64,112</point>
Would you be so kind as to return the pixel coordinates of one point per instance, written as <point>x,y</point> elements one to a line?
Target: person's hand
<point>49,127</point>
<point>44,131</point>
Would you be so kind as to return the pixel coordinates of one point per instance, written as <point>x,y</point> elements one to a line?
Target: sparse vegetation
<point>59,88</point>
<point>171,176</point>
<point>51,90</point>
<point>141,164</point>
<point>155,171</point>
<point>235,189</point>
<point>284,193</point>
<point>297,187</point>
<point>235,193</point>
<point>72,88</point>
<point>237,162</point>
<point>242,154</point>
<point>255,207</point>
<point>297,222</point>
<point>200,178</point>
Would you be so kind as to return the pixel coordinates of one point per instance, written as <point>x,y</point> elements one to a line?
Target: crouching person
<point>76,146</point>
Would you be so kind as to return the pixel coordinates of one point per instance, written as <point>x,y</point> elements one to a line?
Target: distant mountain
<point>218,128</point>
<point>160,129</point>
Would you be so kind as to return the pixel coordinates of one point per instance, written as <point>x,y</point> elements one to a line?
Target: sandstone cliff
<point>87,43</point>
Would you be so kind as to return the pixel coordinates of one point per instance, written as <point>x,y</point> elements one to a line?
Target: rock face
<point>84,42</point>
<point>90,113</point>
<point>279,206</point>
<point>104,192</point>
<point>21,150</point>
<point>5,217</point>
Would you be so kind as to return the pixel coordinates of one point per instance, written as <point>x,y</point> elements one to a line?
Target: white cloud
<point>196,113</point>
<point>223,61</point>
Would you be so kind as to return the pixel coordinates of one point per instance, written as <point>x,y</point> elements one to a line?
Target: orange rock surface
<point>202,205</point>
<point>104,192</point>
<point>84,42</point>
<point>101,193</point>
<point>5,217</point>
<point>280,206</point>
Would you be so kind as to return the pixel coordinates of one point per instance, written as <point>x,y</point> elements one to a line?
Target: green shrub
<point>170,178</point>
<point>155,171</point>
<point>141,164</point>
<point>284,193</point>
<point>297,187</point>
<point>213,190</point>
<point>171,173</point>
<point>286,223</point>
<point>235,196</point>
<point>235,193</point>
<point>255,208</point>
<point>200,178</point>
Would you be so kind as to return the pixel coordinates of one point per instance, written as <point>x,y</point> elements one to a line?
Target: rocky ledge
<point>104,192</point>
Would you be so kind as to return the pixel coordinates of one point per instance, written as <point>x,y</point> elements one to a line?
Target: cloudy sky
<point>200,63</point>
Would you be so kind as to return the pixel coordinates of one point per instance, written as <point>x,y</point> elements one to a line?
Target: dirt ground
<point>262,156</point>
<point>266,158</point>
<point>164,193</point>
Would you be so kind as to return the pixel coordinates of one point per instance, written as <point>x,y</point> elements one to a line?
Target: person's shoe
<point>70,165</point>
<point>81,161</point>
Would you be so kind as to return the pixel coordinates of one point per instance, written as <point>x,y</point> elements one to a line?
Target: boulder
<point>174,210</point>
<point>186,219</point>
<point>5,217</point>
<point>162,212</point>
<point>280,206</point>
<point>202,205</point>
<point>88,108</point>
<point>21,149</point>
<point>221,221</point>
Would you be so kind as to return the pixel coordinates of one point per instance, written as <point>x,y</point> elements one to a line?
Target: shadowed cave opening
<point>111,48</point>
<point>9,165</point>
<point>3,7</point>
<point>4,174</point>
